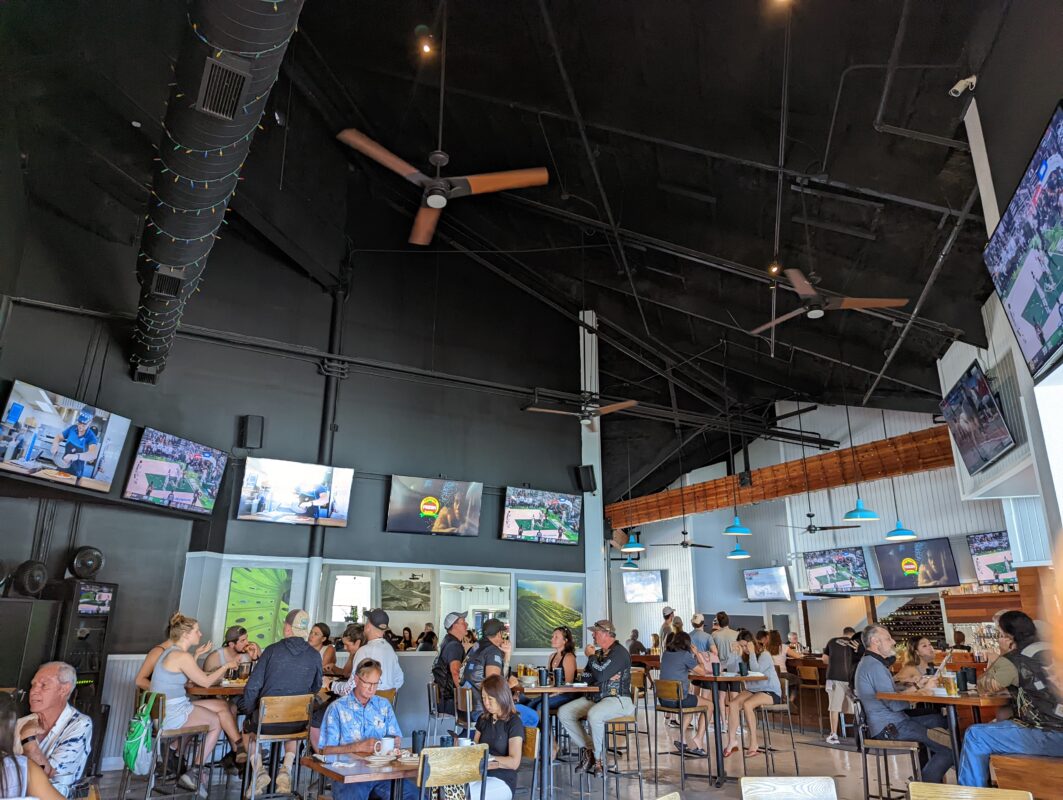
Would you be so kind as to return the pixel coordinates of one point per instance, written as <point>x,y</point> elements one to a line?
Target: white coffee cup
<point>465,742</point>
<point>384,745</point>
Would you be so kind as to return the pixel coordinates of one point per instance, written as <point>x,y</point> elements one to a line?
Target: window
<point>347,591</point>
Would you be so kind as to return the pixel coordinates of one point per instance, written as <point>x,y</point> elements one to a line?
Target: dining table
<point>234,690</point>
<point>546,775</point>
<point>713,682</point>
<point>357,770</point>
<point>974,699</point>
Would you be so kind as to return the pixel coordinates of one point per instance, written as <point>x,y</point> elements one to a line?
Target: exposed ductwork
<point>229,61</point>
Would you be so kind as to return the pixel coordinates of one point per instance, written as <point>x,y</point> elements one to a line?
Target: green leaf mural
<point>258,600</point>
<point>543,606</point>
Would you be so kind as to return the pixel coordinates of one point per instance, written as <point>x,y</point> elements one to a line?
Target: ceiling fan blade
<point>541,410</point>
<point>836,303</point>
<point>703,546</point>
<point>797,312</point>
<point>609,409</point>
<point>794,527</point>
<point>498,181</point>
<point>665,545</point>
<point>381,155</point>
<point>424,225</point>
<point>835,527</point>
<point>804,289</point>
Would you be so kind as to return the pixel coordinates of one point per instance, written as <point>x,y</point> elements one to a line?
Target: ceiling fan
<point>814,305</point>
<point>685,543</point>
<point>589,408</point>
<point>812,527</point>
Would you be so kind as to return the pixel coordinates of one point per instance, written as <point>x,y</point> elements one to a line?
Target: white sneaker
<point>833,739</point>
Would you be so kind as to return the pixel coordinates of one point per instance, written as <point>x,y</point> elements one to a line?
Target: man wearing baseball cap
<point>666,626</point>
<point>490,656</point>
<point>377,648</point>
<point>288,667</point>
<point>446,670</point>
<point>79,444</point>
<point>610,670</point>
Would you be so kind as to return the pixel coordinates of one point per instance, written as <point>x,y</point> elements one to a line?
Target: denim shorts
<point>688,701</point>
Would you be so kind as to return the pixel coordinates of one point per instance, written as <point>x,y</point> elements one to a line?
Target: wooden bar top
<point>970,699</point>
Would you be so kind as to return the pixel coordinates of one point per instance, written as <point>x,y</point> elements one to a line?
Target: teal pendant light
<point>859,514</point>
<point>629,565</point>
<point>899,533</point>
<point>736,528</point>
<point>632,545</point>
<point>737,553</point>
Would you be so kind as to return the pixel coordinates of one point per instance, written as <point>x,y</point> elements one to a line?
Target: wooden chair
<point>280,710</point>
<point>673,690</point>
<point>1015,771</point>
<point>531,750</point>
<point>463,707</point>
<point>941,791</point>
<point>191,735</point>
<point>799,788</point>
<point>810,681</point>
<point>388,694</point>
<point>763,717</point>
<point>881,750</point>
<point>452,766</point>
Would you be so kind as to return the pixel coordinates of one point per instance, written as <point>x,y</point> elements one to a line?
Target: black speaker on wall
<point>585,479</point>
<point>251,432</point>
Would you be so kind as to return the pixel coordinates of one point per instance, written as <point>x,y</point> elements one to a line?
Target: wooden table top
<point>214,691</point>
<point>724,678</point>
<point>971,699</point>
<point>564,689</point>
<point>360,771</point>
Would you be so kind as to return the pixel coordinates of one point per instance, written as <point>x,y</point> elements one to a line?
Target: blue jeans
<point>378,790</point>
<point>554,701</point>
<point>982,741</point>
<point>941,758</point>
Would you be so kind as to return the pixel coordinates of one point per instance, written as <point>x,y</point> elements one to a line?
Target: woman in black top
<point>564,656</point>
<point>501,729</point>
<point>407,640</point>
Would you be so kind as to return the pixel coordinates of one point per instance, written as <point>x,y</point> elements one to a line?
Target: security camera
<point>967,84</point>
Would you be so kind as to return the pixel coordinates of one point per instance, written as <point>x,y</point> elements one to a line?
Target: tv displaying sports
<point>94,599</point>
<point>918,564</point>
<point>532,515</point>
<point>46,435</point>
<point>992,557</point>
<point>1025,253</point>
<point>974,418</point>
<point>295,493</point>
<point>176,473</point>
<point>842,569</point>
<point>766,583</point>
<point>644,586</point>
<point>434,505</point>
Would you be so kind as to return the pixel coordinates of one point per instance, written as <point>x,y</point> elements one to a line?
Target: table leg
<point>950,711</point>
<point>546,774</point>
<point>721,772</point>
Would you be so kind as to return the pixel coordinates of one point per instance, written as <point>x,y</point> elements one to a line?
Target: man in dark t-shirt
<point>446,671</point>
<point>839,655</point>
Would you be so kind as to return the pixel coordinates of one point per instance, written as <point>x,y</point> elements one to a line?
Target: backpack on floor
<point>136,750</point>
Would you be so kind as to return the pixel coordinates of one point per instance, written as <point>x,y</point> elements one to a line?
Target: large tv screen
<point>434,505</point>
<point>992,557</point>
<point>1025,253</point>
<point>46,435</point>
<point>176,473</point>
<point>532,515</point>
<point>842,569</point>
<point>295,493</point>
<point>918,564</point>
<point>644,586</point>
<point>973,414</point>
<point>766,583</point>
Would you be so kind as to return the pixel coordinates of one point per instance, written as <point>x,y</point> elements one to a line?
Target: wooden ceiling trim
<point>909,453</point>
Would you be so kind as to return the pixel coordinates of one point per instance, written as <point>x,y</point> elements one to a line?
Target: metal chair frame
<point>194,735</point>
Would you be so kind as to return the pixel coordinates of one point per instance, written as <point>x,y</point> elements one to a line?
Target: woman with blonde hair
<point>175,667</point>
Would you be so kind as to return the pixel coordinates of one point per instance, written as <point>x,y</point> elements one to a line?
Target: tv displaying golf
<point>176,473</point>
<point>992,557</point>
<point>839,570</point>
<point>294,493</point>
<point>435,506</point>
<point>533,515</point>
<point>46,435</point>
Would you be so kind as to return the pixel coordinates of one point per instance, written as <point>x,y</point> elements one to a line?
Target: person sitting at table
<point>754,693</point>
<point>918,661</point>
<point>407,640</point>
<point>288,667</point>
<point>776,651</point>
<point>960,639</point>
<point>500,728</point>
<point>564,656</point>
<point>176,667</point>
<point>428,643</point>
<point>354,724</point>
<point>19,776</point>
<point>1025,667</point>
<point>489,657</point>
<point>428,629</point>
<point>794,648</point>
<point>353,638</point>
<point>143,678</point>
<point>678,662</point>
<point>377,648</point>
<point>608,669</point>
<point>655,642</point>
<point>319,640</point>
<point>54,735</point>
<point>633,645</point>
<point>886,719</point>
<point>236,646</point>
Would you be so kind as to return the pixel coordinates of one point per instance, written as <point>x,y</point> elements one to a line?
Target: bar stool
<point>436,714</point>
<point>765,721</point>
<point>627,724</point>
<point>882,749</point>
<point>673,690</point>
<point>530,749</point>
<point>810,680</point>
<point>463,707</point>
<point>640,683</point>
<point>191,735</point>
<point>279,710</point>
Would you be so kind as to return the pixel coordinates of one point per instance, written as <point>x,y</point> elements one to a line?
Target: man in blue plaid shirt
<point>354,724</point>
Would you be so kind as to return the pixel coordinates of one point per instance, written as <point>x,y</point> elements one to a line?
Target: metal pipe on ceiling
<point>953,235</point>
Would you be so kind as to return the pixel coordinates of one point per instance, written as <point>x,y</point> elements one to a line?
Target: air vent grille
<point>143,374</point>
<point>223,86</point>
<point>166,285</point>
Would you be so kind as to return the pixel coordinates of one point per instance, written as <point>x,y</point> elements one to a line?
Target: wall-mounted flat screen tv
<point>643,586</point>
<point>766,583</point>
<point>533,515</point>
<point>918,564</point>
<point>295,493</point>
<point>434,505</point>
<point>974,418</point>
<point>992,557</point>
<point>842,569</point>
<point>176,473</point>
<point>46,435</point>
<point>1025,253</point>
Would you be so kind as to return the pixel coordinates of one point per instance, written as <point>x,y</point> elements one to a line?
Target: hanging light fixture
<point>899,533</point>
<point>736,528</point>
<point>633,545</point>
<point>738,552</point>
<point>859,514</point>
<point>629,565</point>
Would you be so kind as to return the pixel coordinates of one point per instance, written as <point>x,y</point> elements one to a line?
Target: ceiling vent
<point>143,373</point>
<point>167,282</point>
<point>225,81</point>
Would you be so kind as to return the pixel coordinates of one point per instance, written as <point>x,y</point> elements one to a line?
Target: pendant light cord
<point>730,446</point>
<point>893,484</point>
<point>442,83</point>
<point>804,466</point>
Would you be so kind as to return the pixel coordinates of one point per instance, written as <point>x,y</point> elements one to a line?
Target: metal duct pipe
<point>230,58</point>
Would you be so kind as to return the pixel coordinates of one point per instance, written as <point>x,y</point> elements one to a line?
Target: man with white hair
<point>54,734</point>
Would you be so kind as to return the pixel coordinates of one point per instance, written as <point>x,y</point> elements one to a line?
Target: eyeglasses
<point>366,683</point>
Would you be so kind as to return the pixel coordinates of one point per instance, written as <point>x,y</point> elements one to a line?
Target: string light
<point>219,50</point>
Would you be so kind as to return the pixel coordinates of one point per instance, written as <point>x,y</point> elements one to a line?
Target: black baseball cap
<point>378,618</point>
<point>493,627</point>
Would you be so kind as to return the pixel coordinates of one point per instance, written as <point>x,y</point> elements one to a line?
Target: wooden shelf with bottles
<point>961,608</point>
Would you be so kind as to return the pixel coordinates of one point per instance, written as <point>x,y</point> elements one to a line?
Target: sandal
<point>753,752</point>
<point>730,750</point>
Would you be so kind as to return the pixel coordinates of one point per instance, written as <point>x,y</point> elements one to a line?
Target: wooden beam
<point>921,451</point>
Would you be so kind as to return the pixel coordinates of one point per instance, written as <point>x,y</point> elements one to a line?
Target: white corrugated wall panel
<point>1027,531</point>
<point>119,693</point>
